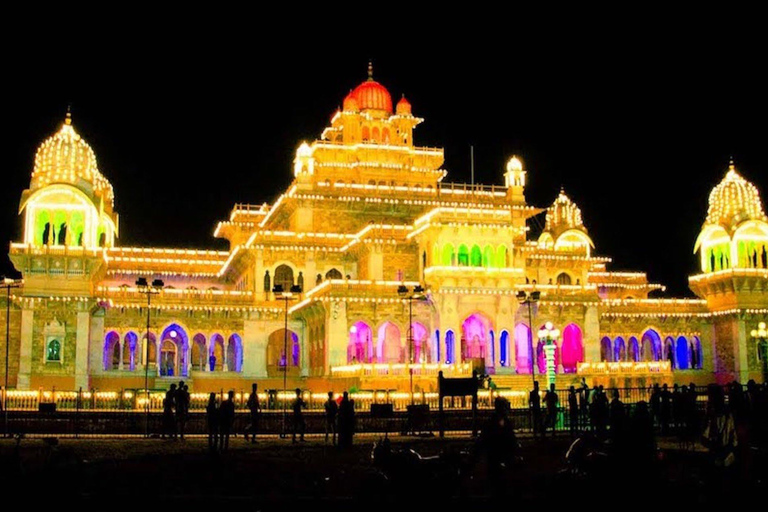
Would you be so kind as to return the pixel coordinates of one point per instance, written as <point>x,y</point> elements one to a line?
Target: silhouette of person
<point>212,417</point>
<point>300,280</point>
<point>298,415</point>
<point>267,281</point>
<point>253,407</point>
<point>226,419</point>
<point>182,408</point>
<point>534,403</point>
<point>346,421</point>
<point>318,279</point>
<point>665,410</point>
<point>573,410</point>
<point>497,440</point>
<point>169,424</point>
<point>46,233</point>
<point>551,400</point>
<point>331,411</point>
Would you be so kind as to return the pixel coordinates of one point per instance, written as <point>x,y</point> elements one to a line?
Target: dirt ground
<point>275,474</point>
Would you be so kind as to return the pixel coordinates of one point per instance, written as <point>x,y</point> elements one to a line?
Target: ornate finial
<point>731,167</point>
<point>370,69</point>
<point>68,119</point>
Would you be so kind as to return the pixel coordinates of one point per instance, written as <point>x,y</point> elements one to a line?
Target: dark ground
<point>276,475</point>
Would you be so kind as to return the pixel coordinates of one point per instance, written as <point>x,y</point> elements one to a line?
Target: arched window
<point>234,353</point>
<point>112,351</point>
<point>606,350</point>
<point>650,346</point>
<point>504,355</point>
<point>449,347</point>
<point>523,342</point>
<point>634,349</point>
<point>360,347</point>
<point>366,134</point>
<point>573,348</point>
<point>683,357</point>
<point>488,260</point>
<point>276,357</point>
<point>669,352</point>
<point>563,278</point>
<point>216,353</point>
<point>389,345</point>
<point>697,357</point>
<point>449,256</point>
<point>333,274</point>
<point>501,257</point>
<point>199,356</point>
<point>476,257</point>
<point>284,277</point>
<point>463,256</point>
<point>53,351</point>
<point>619,349</point>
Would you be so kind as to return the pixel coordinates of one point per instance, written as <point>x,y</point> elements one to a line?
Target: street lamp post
<point>8,284</point>
<point>149,290</point>
<point>760,335</point>
<point>549,334</point>
<point>410,296</point>
<point>529,299</point>
<point>285,296</point>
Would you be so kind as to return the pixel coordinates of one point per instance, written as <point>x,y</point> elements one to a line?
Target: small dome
<point>66,158</point>
<point>563,215</point>
<point>350,104</point>
<point>403,107</point>
<point>733,201</point>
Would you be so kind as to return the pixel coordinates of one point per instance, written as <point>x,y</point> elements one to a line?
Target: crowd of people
<point>220,417</point>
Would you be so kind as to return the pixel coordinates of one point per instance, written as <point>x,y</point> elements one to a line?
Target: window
<point>563,278</point>
<point>53,351</point>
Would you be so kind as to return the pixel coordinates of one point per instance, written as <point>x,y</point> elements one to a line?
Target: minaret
<point>514,180</point>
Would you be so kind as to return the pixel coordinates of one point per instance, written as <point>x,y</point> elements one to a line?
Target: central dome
<point>66,158</point>
<point>371,95</point>
<point>733,201</point>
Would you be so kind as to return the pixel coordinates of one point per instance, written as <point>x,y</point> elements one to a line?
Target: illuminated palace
<point>368,221</point>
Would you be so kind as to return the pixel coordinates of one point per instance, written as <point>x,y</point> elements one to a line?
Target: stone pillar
<point>740,352</point>
<point>81,349</point>
<point>376,263</point>
<point>254,349</point>
<point>338,334</point>
<point>25,349</point>
<point>96,348</point>
<point>591,335</point>
<point>301,329</point>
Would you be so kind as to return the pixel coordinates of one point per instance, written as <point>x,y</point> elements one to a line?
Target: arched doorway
<point>199,354</point>
<point>650,346</point>
<point>216,353</point>
<point>151,346</point>
<point>606,350</point>
<point>696,355</point>
<point>277,361</point>
<point>669,352</point>
<point>619,349</point>
<point>130,346</point>
<point>475,336</point>
<point>173,360</point>
<point>634,350</point>
<point>389,346</point>
<point>573,348</point>
<point>111,351</point>
<point>333,274</point>
<point>421,349</point>
<point>359,349</point>
<point>168,359</point>
<point>523,340</point>
<point>234,353</point>
<point>683,357</point>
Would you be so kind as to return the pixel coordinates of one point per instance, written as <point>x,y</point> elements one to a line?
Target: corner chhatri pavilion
<point>368,218</point>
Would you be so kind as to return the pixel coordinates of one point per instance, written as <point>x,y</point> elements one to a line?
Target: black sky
<point>636,118</point>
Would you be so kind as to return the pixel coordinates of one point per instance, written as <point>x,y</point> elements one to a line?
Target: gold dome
<point>66,158</point>
<point>733,201</point>
<point>563,215</point>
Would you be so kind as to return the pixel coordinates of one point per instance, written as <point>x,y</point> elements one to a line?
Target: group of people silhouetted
<point>175,411</point>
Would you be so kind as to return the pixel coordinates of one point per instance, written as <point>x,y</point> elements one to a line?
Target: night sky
<point>636,122</point>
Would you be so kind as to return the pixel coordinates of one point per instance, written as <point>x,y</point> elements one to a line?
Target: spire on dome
<point>370,70</point>
<point>68,118</point>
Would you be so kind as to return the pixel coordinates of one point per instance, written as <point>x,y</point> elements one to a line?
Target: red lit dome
<point>372,95</point>
<point>403,106</point>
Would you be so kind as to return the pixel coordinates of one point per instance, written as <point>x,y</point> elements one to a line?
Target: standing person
<point>253,407</point>
<point>331,410</point>
<point>720,432</point>
<point>298,415</point>
<point>169,423</point>
<point>551,400</point>
<point>573,410</point>
<point>665,411</point>
<point>182,408</point>
<point>226,419</point>
<point>346,421</point>
<point>212,417</point>
<point>616,417</point>
<point>534,403</point>
<point>656,403</point>
<point>584,401</point>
